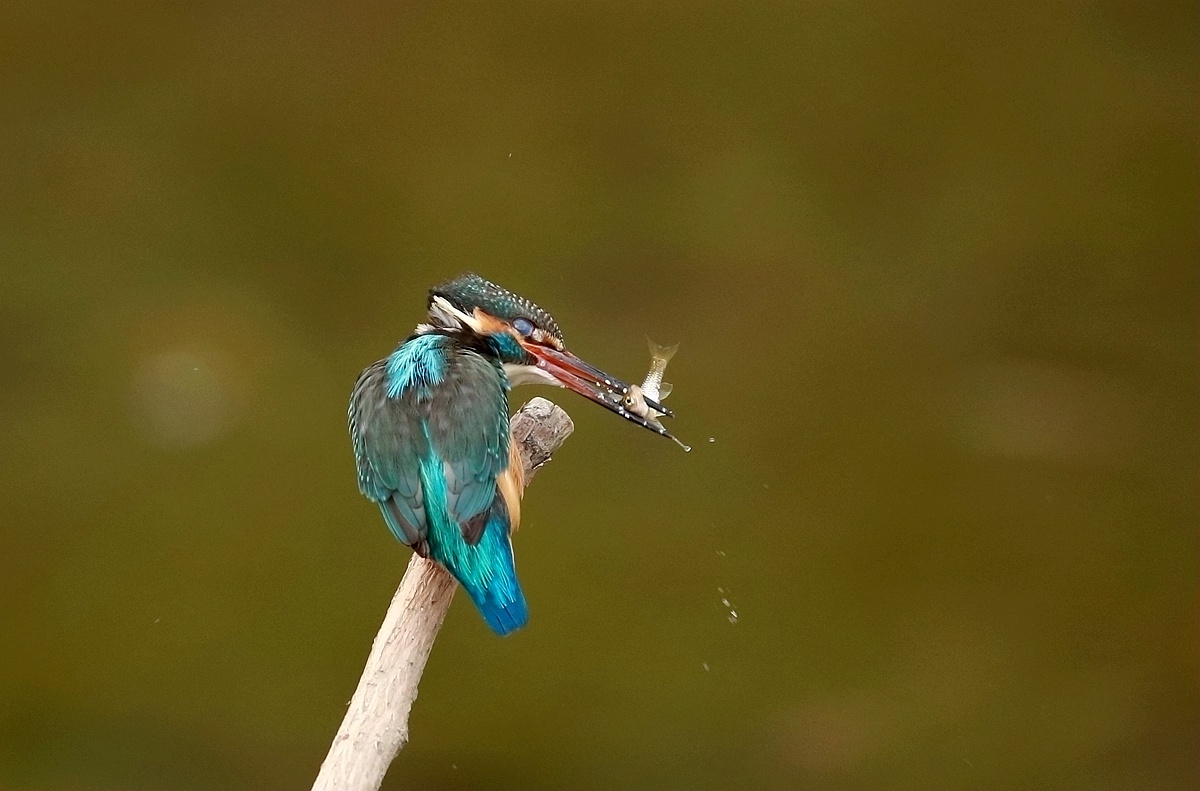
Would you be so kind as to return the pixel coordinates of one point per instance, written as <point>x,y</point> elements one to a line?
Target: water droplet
<point>725,602</point>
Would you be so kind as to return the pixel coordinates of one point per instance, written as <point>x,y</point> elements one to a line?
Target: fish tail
<point>662,354</point>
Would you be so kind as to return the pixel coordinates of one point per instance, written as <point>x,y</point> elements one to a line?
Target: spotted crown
<point>471,291</point>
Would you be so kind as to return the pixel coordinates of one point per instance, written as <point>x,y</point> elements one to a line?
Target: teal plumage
<point>430,431</point>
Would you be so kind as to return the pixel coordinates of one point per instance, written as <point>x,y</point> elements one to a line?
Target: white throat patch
<point>528,375</point>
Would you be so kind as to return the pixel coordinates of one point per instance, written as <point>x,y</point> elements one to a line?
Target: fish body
<point>653,388</point>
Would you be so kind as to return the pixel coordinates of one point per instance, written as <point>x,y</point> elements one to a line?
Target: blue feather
<point>419,363</point>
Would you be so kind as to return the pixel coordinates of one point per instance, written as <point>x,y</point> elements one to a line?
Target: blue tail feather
<point>486,570</point>
<point>497,593</point>
<point>502,616</point>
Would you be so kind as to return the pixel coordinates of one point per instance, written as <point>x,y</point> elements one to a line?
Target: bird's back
<point>433,449</point>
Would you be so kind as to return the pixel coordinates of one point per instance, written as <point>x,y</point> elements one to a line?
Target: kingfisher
<point>432,444</point>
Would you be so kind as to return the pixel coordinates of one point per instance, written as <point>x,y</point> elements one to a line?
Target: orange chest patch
<point>511,483</point>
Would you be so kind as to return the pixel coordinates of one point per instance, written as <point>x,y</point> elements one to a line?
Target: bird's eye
<point>523,326</point>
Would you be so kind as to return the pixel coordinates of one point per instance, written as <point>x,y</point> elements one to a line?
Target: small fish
<point>654,388</point>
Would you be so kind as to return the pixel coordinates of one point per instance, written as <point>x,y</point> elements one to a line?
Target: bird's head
<point>527,341</point>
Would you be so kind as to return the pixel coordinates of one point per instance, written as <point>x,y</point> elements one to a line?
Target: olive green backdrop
<point>933,269</point>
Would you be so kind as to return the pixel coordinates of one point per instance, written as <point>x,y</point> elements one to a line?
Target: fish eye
<point>523,326</point>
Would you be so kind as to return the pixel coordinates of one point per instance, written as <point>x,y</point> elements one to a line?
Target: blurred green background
<point>933,269</point>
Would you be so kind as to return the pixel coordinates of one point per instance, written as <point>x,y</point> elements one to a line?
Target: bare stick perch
<point>376,723</point>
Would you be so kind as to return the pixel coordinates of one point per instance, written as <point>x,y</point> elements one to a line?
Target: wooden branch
<point>375,727</point>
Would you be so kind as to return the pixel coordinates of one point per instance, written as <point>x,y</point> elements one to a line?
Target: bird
<point>429,426</point>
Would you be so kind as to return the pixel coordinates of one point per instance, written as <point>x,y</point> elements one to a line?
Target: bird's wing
<point>461,422</point>
<point>388,447</point>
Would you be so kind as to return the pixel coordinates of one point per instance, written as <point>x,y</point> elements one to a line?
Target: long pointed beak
<point>593,384</point>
